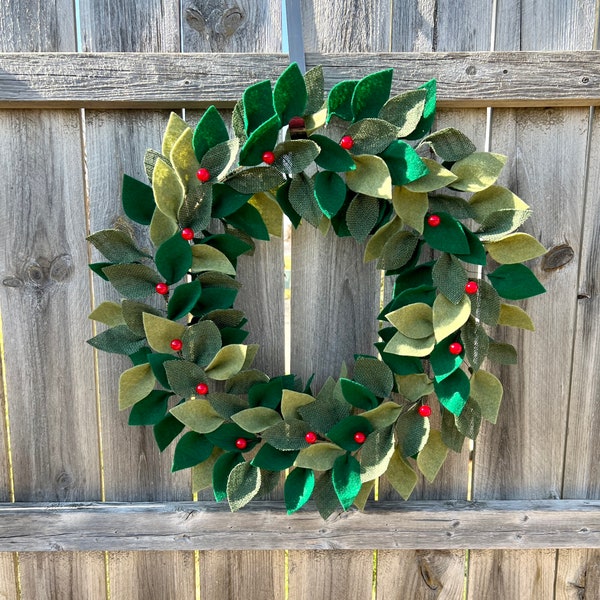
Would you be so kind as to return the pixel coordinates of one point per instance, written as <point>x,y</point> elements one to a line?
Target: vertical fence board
<point>44,301</point>
<point>577,574</point>
<point>522,456</point>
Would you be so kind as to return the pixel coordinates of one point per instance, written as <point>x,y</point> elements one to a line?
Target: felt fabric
<point>220,158</point>
<point>184,159</point>
<point>449,317</point>
<point>428,116</point>
<point>184,298</point>
<point>302,199</point>
<point>162,227</point>
<point>332,157</point>
<point>228,361</point>
<point>133,314</point>
<point>406,346</point>
<point>432,456</point>
<point>339,101</point>
<point>404,164</point>
<point>291,401</point>
<point>263,138</point>
<point>448,236</point>
<point>453,391</point>
<point>249,220</point>
<point>160,332</point>
<point>343,432</point>
<point>119,340</point>
<point>226,405</point>
<point>345,476</point>
<point>138,200</point>
<point>514,282</point>
<point>275,460</point>
<point>258,105</point>
<point>515,248</point>
<point>299,486</point>
<point>151,409</point>
<point>514,316</point>
<point>477,171</point>
<point>330,192</point>
<point>375,244</point>
<point>223,466</point>
<point>166,430</point>
<point>227,434</point>
<point>191,449</point>
<point>493,199</point>
<point>173,259</point>
<point>319,457</point>
<point>201,342</point>
<point>397,251</point>
<point>210,131</point>
<point>376,453</point>
<point>487,391</point>
<point>151,157</point>
<point>357,394</point>
<point>287,435</point>
<point>476,342</point>
<point>134,385</point>
<point>371,177</point>
<point>157,361</point>
<point>208,258</point>
<point>437,178</point>
<point>202,473</point>
<point>384,415</point>
<point>175,127</point>
<point>109,313</point>
<point>414,386</point>
<point>167,188</point>
<point>502,353</point>
<point>414,321</point>
<point>270,212</point>
<point>401,476</point>
<point>404,111</point>
<point>444,363</point>
<point>326,500</point>
<point>290,94</point>
<point>370,94</point>
<point>243,484</point>
<point>450,277</point>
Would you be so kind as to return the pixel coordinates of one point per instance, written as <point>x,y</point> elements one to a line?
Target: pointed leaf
<point>263,138</point>
<point>287,435</point>
<point>210,131</point>
<point>384,415</point>
<point>371,177</point>
<point>192,448</point>
<point>375,375</point>
<point>198,415</point>
<point>406,346</point>
<point>320,457</point>
<point>138,200</point>
<point>291,401</point>
<point>256,179</point>
<point>332,156</point>
<point>401,476</point>
<point>258,105</point>
<point>183,299</point>
<point>453,391</point>
<point>361,216</point>
<point>449,317</point>
<point>428,111</point>
<point>339,101</point>
<point>444,363</point>
<point>132,281</point>
<point>493,199</point>
<point>116,246</point>
<point>109,313</point>
<point>346,479</point>
<point>330,192</point>
<point>295,156</point>
<point>477,171</point>
<point>412,431</point>
<point>274,460</point>
<point>487,391</point>
<point>343,432</point>
<point>302,199</point>
<point>256,419</point>
<point>476,343</point>
<point>228,361</point>
<point>299,486</point>
<point>202,473</point>
<point>134,385</point>
<point>450,144</point>
<point>151,409</point>
<point>184,376</point>
<point>118,340</point>
<point>515,248</point>
<point>160,332</point>
<point>437,178</point>
<point>405,111</point>
<point>432,456</point>
<point>315,85</point>
<point>404,164</point>
<point>290,94</point>
<point>398,250</point>
<point>414,321</point>
<point>201,341</point>
<point>162,227</point>
<point>223,467</point>
<point>514,282</point>
<point>357,394</point>
<point>515,316</point>
<point>243,484</point>
<point>207,258</point>
<point>371,93</point>
<point>469,420</point>
<point>376,454</point>
<point>375,245</point>
<point>168,191</point>
<point>414,386</point>
<point>371,136</point>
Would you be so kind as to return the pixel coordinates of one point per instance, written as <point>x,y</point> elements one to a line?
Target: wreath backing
<point>387,180</point>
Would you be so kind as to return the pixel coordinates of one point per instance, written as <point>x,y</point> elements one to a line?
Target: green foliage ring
<point>387,180</point>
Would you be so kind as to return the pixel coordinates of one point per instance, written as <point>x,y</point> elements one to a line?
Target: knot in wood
<point>557,257</point>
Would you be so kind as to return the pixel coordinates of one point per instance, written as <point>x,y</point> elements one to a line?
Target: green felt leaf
<point>151,409</point>
<point>133,315</point>
<point>332,157</point>
<point>502,353</point>
<point>376,453</point>
<point>219,159</point>
<point>118,340</point>
<point>371,136</point>
<point>398,250</point>
<point>242,382</point>
<point>258,105</point>
<point>227,435</point>
<point>515,282</point>
<point>515,316</point>
<point>243,484</point>
<point>451,436</point>
<point>162,228</point>
<point>166,430</point>
<point>201,341</point>
<point>256,179</point>
<point>444,363</point>
<point>290,94</point>
<point>437,178</point>
<point>477,254</point>
<point>98,268</point>
<point>339,101</point>
<point>432,456</point>
<point>371,177</point>
<point>215,304</point>
<point>493,199</point>
<point>343,432</point>
<point>168,191</point>
<point>414,321</point>
<point>174,259</point>
<point>500,224</point>
<point>315,89</point>
<point>275,460</point>
<point>361,216</point>
<point>198,415</point>
<point>269,211</point>
<point>487,391</point>
<point>175,127</point>
<point>256,419</point>
<point>208,258</point>
<point>448,236</point>
<point>263,138</point>
<point>384,415</point>
<point>449,317</point>
<point>192,449</point>
<point>267,394</point>
<point>210,131</point>
<point>294,156</point>
<point>375,375</point>
<point>330,192</point>
<point>230,245</point>
<point>476,342</point>
<point>375,245</point>
<point>302,199</point>
<point>157,361</point>
<point>183,299</point>
<point>160,332</point>
<point>184,376</point>
<point>371,93</point>
<point>117,246</point>
<point>221,470</point>
<point>453,391</point>
<point>109,313</point>
<point>132,281</point>
<point>291,401</point>
<point>485,304</point>
<point>202,473</point>
<point>299,486</point>
<point>150,159</point>
<point>405,111</point>
<point>287,435</point>
<point>134,385</point>
<point>469,420</point>
<point>515,248</point>
<point>477,171</point>
<point>414,386</point>
<point>412,431</point>
<point>421,293</point>
<point>450,144</point>
<point>357,394</point>
<point>325,497</point>
<point>364,495</point>
<point>226,200</point>
<point>411,207</point>
<point>138,200</point>
<point>284,202</point>
<point>319,457</point>
<point>414,278</point>
<point>226,405</point>
<point>450,277</point>
<point>228,361</point>
<point>346,479</point>
<point>406,346</point>
<point>426,120</point>
<point>401,476</point>
<point>404,164</point>
<point>184,159</point>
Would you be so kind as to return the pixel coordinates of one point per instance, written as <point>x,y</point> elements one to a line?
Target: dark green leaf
<point>151,410</point>
<point>98,268</point>
<point>116,246</point>
<point>302,199</point>
<point>263,138</point>
<point>214,298</point>
<point>332,156</point>
<point>230,245</point>
<point>328,409</point>
<point>339,101</point>
<point>485,303</point>
<point>157,363</point>
<point>448,236</point>
<point>346,479</point>
<point>414,277</point>
<point>343,432</point>
<point>290,94</point>
<point>330,192</point>
<point>192,448</point>
<point>184,376</point>
<point>226,405</point>
<point>397,251</point>
<point>450,277</point>
<point>504,354</point>
<point>201,341</point>
<point>499,224</point>
<point>258,105</point>
<point>174,259</point>
<point>375,375</point>
<point>453,438</point>
<point>184,299</point>
<point>210,131</point>
<point>404,164</point>
<point>166,430</point>
<point>298,487</point>
<point>325,497</point>
<point>138,200</point>
<point>357,394</point>
<point>371,93</point>
<point>283,199</point>
<point>248,219</point>
<point>443,362</point>
<point>477,254</point>
<point>476,342</point>
<point>401,365</point>
<point>428,111</point>
<point>274,460</point>
<point>266,394</point>
<point>227,434</point>
<point>515,282</point>
<point>133,315</point>
<point>453,391</point>
<point>118,340</point>
<point>226,200</point>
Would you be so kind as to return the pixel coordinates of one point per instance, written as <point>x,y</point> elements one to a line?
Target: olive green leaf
<point>515,316</point>
<point>412,431</point>
<point>449,317</point>
<point>320,456</point>
<point>376,453</point>
<point>405,346</point>
<point>493,199</point>
<point>426,120</point>
<point>375,245</point>
<point>501,353</point>
<point>294,156</point>
<point>198,415</point>
<point>116,246</point>
<point>515,248</point>
<point>384,415</point>
<point>270,212</point>
<point>161,332</point>
<point>414,386</point>
<point>437,178</point>
<point>135,384</point>
<point>402,477</point>
<point>450,144</point>
<point>398,250</point>
<point>291,401</point>
<point>487,391</point>
<point>202,473</point>
<point>315,89</point>
<point>451,436</point>
<point>228,361</point>
<point>109,313</point>
<point>243,484</point>
<point>175,127</point>
<point>371,177</point>
<point>414,320</point>
<point>371,136</point>
<point>432,456</point>
<point>500,224</point>
<point>162,227</point>
<point>256,419</point>
<point>167,188</point>
<point>404,111</point>
<point>184,376</point>
<point>132,281</point>
<point>363,496</point>
<point>184,159</point>
<point>477,171</point>
<point>411,207</point>
<point>207,258</point>
<point>361,216</point>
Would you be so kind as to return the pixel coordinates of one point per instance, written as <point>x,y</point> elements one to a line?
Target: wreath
<point>434,217</point>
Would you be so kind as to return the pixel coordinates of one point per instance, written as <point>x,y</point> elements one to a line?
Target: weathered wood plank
<point>8,577</point>
<point>577,575</point>
<point>417,525</point>
<point>475,79</point>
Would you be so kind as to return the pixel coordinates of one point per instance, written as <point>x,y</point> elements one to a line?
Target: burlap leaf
<point>220,158</point>
<point>132,281</point>
<point>364,495</point>
<point>411,207</point>
<point>202,473</point>
<point>328,409</point>
<point>502,353</point>
<point>315,89</point>
<point>453,391</point>
<point>376,453</point>
<point>447,236</point>
<point>412,431</point>
<point>157,362</point>
<point>339,101</point>
<point>426,120</point>
<point>162,228</point>
<point>330,192</point>
<point>258,105</point>
<point>401,476</point>
<point>515,248</point>
<point>346,479</point>
<point>432,456</point>
<point>222,467</point>
<point>294,156</point>
<point>290,94</point>
<point>450,144</point>
<point>226,405</point>
<point>498,225</point>
<point>237,121</point>
<point>357,394</point>
<point>514,282</point>
<point>116,246</point>
<point>161,332</point>
<point>437,178</point>
<point>242,382</point>
<point>444,363</point>
<point>397,251</point>
<point>208,258</point>
<point>332,156</point>
<point>135,384</point>
<point>243,484</point>
<point>210,131</point>
<point>167,188</point>
<point>375,375</point>
<point>404,111</point>
<point>109,313</point>
<point>263,138</point>
<point>404,164</point>
<point>138,200</point>
<point>414,321</point>
<point>414,386</point>
<point>361,216</point>
<point>151,409</point>
<point>173,259</point>
<point>175,127</point>
<point>374,246</point>
<point>118,340</point>
<point>448,316</point>
<point>371,177</point>
<point>371,136</point>
<point>450,277</point>
<point>405,346</point>
<point>319,457</point>
<point>287,435</point>
<point>469,420</point>
<point>487,391</point>
<point>477,171</point>
<point>493,199</point>
<point>291,401</point>
<point>184,376</point>
<point>274,460</point>
<point>184,298</point>
<point>476,342</point>
<point>455,206</point>
<point>195,212</point>
<point>299,486</point>
<point>451,436</point>
<point>270,212</point>
<point>256,179</point>
<point>302,199</point>
<point>192,449</point>
<point>514,316</point>
<point>326,499</point>
<point>371,93</point>
<point>133,315</point>
<point>384,415</point>
<point>342,433</point>
<point>201,342</point>
<point>198,415</point>
<point>485,303</point>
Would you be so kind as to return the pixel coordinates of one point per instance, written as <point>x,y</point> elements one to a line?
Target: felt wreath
<point>434,217</point>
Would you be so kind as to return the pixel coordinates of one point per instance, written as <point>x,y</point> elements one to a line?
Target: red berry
<point>346,142</point>
<point>297,123</point>
<point>203,174</point>
<point>162,288</point>
<point>176,345</point>
<point>455,348</point>
<point>311,437</point>
<point>241,443</point>
<point>268,157</point>
<point>187,234</point>
<point>202,389</point>
<point>425,410</point>
<point>359,437</point>
<point>471,287</point>
<point>433,220</point>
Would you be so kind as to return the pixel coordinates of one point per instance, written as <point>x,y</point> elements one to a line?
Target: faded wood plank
<point>578,575</point>
<point>127,80</point>
<point>416,525</point>
<point>8,579</point>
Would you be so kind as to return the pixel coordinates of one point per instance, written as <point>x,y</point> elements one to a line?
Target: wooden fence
<point>91,509</point>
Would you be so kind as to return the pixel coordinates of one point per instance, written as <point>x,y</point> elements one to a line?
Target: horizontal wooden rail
<point>265,526</point>
<point>133,80</point>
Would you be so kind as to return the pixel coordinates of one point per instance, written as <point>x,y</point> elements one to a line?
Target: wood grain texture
<point>8,578</point>
<point>578,575</point>
<point>126,80</point>
<point>413,26</point>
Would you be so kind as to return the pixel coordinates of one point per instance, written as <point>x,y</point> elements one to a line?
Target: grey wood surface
<point>112,80</point>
